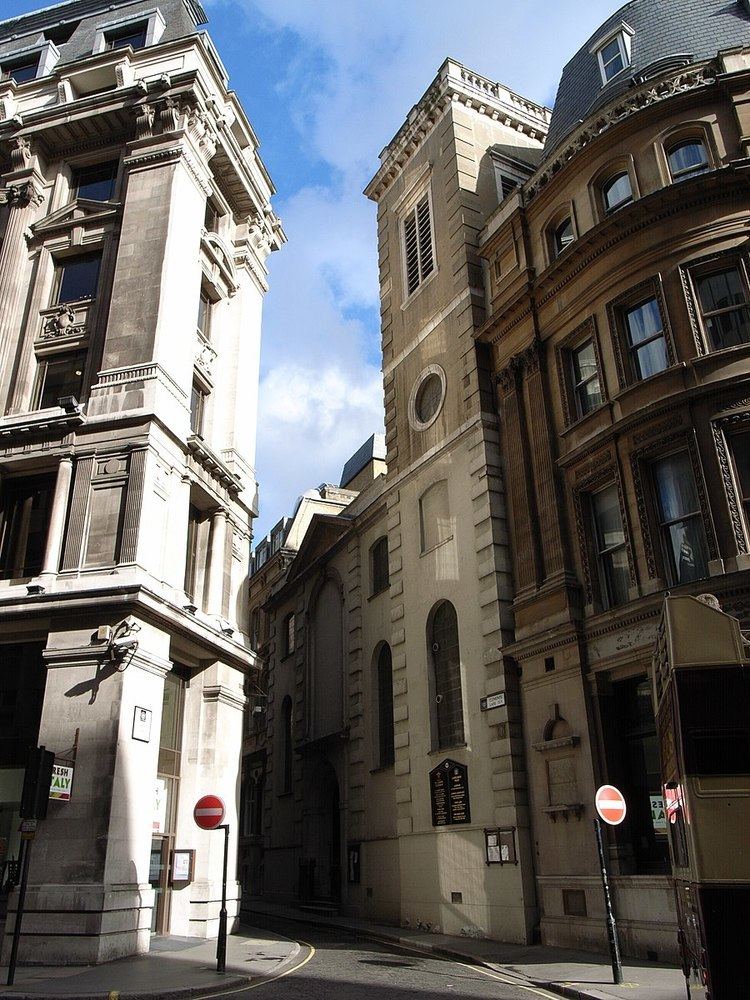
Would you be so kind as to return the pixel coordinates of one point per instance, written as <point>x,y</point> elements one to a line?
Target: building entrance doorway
<point>321,867</point>
<point>165,797</point>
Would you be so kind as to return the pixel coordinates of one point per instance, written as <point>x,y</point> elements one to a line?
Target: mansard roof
<point>660,30</point>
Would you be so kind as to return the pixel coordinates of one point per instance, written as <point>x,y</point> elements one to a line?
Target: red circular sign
<point>610,804</point>
<point>209,812</point>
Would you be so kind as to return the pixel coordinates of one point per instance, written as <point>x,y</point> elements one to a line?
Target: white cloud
<point>356,69</point>
<point>311,421</point>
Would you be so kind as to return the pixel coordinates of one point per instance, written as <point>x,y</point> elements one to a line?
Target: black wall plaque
<point>449,794</point>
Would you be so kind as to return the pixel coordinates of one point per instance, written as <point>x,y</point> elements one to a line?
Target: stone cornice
<point>455,82</point>
<point>652,92</point>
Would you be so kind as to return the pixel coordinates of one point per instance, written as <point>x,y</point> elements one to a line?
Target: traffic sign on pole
<point>610,804</point>
<point>209,812</point>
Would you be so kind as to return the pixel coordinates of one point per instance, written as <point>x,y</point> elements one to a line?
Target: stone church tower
<point>466,145</point>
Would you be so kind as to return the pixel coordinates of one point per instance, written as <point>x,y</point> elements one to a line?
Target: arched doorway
<point>320,875</point>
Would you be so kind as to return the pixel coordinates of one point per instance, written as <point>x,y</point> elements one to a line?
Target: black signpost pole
<point>19,912</point>
<point>221,944</point>
<point>614,944</point>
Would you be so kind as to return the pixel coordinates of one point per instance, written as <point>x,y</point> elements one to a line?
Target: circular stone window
<point>427,396</point>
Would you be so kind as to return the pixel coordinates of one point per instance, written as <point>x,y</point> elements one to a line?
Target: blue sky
<point>326,84</point>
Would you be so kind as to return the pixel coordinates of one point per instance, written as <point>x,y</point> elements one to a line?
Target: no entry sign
<point>610,804</point>
<point>208,812</point>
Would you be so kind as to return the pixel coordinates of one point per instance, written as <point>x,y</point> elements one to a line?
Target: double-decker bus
<point>701,675</point>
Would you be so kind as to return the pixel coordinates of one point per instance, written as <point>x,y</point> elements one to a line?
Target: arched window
<point>617,192</point>
<point>446,661</point>
<point>434,516</point>
<point>290,634</point>
<point>384,691</point>
<point>327,678</point>
<point>286,746</point>
<point>562,236</point>
<point>687,158</point>
<point>379,566</point>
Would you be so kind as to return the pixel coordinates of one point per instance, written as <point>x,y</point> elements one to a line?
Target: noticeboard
<point>449,793</point>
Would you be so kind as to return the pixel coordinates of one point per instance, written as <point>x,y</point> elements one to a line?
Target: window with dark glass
<point>386,749</point>
<point>77,277</point>
<point>587,389</point>
<point>96,182</point>
<point>741,455</point>
<point>687,159</point>
<point>204,314</point>
<point>646,345</point>
<point>197,408</point>
<point>22,70</point>
<point>611,551</point>
<point>25,506</point>
<point>613,58</point>
<point>379,578</point>
<point>724,307</point>
<point>131,34</point>
<point>562,237</point>
<point>290,634</point>
<point>446,661</point>
<point>58,376</point>
<point>617,192</point>
<point>419,252</point>
<point>680,519</point>
<point>632,753</point>
<point>23,675</point>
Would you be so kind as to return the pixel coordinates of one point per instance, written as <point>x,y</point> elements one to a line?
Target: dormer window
<point>613,53</point>
<point>133,35</point>
<point>21,70</point>
<point>95,182</point>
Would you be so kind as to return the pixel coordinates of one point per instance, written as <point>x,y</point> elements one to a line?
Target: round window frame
<point>416,423</point>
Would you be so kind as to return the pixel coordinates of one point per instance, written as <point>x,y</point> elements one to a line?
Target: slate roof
<point>694,29</point>
<point>18,33</point>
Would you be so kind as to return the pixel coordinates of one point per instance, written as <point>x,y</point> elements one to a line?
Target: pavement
<point>183,967</point>
<point>575,974</point>
<point>174,968</point>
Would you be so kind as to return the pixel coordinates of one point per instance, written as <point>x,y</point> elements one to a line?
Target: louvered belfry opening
<point>419,254</point>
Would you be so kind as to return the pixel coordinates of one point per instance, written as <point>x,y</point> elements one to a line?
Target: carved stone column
<point>22,193</point>
<point>525,551</point>
<point>216,564</point>
<point>53,548</point>
<point>544,469</point>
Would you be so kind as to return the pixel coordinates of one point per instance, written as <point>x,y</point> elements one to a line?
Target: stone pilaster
<point>526,557</point>
<point>22,192</point>
<point>540,433</point>
<point>214,602</point>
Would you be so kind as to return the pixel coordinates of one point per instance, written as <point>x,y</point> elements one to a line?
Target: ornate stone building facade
<point>136,222</point>
<point>619,324</point>
<point>565,335</point>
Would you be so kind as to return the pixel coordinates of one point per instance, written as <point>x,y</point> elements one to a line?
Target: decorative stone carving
<point>623,107</point>
<point>169,115</point>
<point>62,324</point>
<point>22,195</point>
<point>20,153</point>
<point>199,127</point>
<point>144,122</point>
<point>205,356</point>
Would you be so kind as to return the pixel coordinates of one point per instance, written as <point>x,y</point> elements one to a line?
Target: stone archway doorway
<point>320,876</point>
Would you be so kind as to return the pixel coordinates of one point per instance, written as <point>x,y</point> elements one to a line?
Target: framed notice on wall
<point>183,863</point>
<point>142,724</point>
